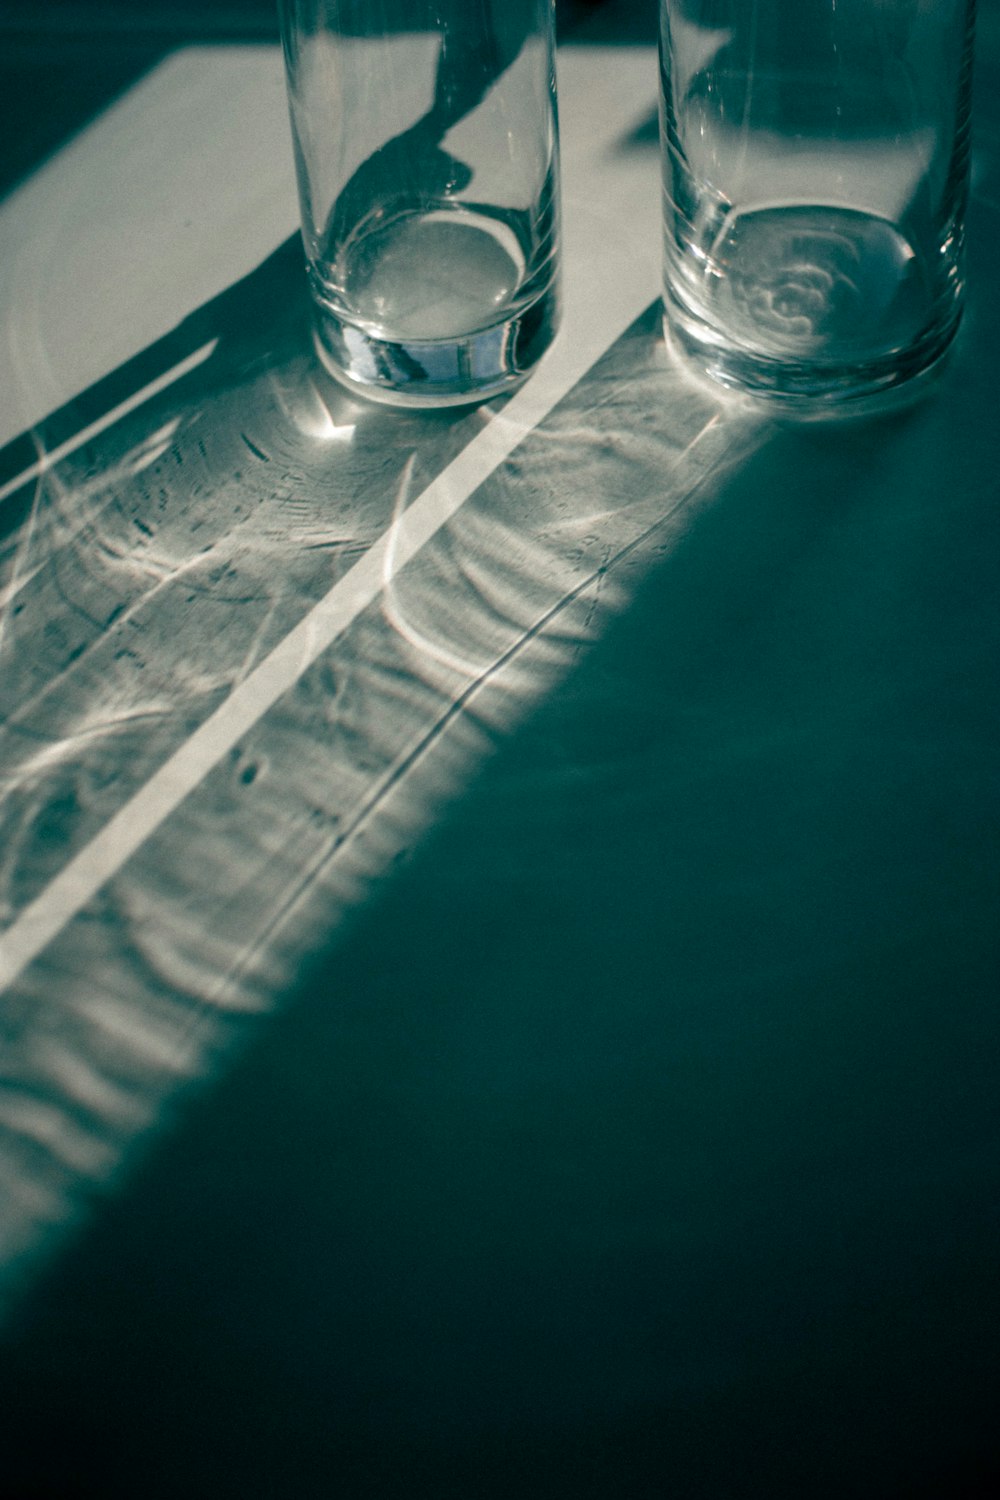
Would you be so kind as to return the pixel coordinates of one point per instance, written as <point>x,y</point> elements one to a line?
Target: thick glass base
<point>457,371</point>
<point>434,309</point>
<point>810,307</point>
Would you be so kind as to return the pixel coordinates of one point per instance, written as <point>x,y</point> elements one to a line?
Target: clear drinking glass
<point>815,157</point>
<point>426,147</point>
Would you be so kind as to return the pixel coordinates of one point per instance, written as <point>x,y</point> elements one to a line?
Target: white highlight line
<point>611,261</point>
<point>98,861</point>
<point>46,461</point>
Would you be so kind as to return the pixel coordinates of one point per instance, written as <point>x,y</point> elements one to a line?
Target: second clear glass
<point>816,162</point>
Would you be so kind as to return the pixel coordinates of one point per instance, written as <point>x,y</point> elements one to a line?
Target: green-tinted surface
<point>640,1139</point>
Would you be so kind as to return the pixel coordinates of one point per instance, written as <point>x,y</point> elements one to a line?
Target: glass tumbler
<point>426,148</point>
<point>815,161</point>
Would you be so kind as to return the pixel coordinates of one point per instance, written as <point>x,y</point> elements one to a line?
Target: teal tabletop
<point>498,907</point>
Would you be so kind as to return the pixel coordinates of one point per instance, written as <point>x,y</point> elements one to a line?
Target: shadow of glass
<point>599,1129</point>
<point>158,554</point>
<point>144,572</point>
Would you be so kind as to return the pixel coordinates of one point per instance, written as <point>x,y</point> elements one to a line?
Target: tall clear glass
<point>426,146</point>
<point>815,157</point>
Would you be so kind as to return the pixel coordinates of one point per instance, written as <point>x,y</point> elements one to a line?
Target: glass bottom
<point>810,305</point>
<point>432,309</point>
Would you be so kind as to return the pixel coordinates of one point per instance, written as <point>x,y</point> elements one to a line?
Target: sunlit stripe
<point>48,460</point>
<point>11,590</point>
<point>148,452</point>
<point>598,323</point>
<point>610,280</point>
